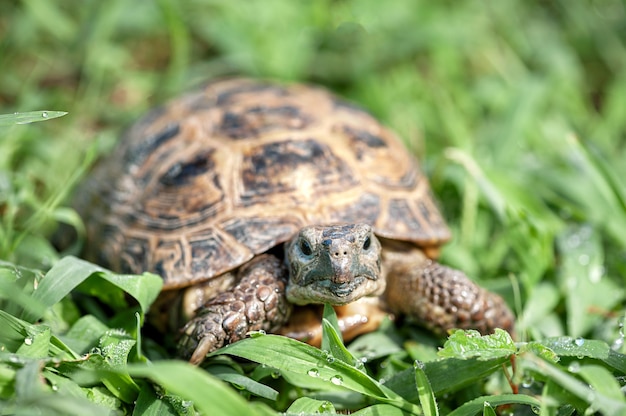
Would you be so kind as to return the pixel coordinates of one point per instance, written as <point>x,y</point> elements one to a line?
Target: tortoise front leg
<point>442,298</point>
<point>256,302</point>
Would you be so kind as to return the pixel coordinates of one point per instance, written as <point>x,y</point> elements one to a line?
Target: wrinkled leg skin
<point>256,302</point>
<point>442,298</point>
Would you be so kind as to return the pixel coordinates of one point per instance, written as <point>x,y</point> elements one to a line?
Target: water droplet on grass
<point>579,341</point>
<point>326,407</point>
<point>336,380</point>
<point>528,381</point>
<point>314,372</point>
<point>574,367</point>
<point>28,341</point>
<point>44,114</point>
<point>257,334</point>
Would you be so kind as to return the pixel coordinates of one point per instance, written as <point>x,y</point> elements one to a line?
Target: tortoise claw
<point>205,346</point>
<point>197,341</point>
<point>257,302</point>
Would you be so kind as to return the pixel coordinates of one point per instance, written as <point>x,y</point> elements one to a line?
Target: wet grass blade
<point>208,394</point>
<point>29,117</point>
<point>425,391</point>
<point>379,410</point>
<point>291,356</point>
<point>18,336</point>
<point>473,407</point>
<point>600,400</point>
<point>240,381</point>
<point>307,405</point>
<point>445,376</point>
<point>70,272</point>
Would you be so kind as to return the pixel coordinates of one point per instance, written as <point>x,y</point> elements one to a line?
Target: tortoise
<point>256,201</point>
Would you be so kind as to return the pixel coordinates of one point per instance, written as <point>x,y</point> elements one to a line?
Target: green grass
<point>515,110</point>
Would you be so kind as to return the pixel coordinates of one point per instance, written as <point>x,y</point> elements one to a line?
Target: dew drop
<point>325,407</point>
<point>257,334</point>
<point>44,114</point>
<point>314,372</point>
<point>574,367</point>
<point>28,341</point>
<point>330,359</point>
<point>336,380</point>
<point>579,341</point>
<point>591,397</point>
<point>55,387</point>
<point>528,381</point>
<point>536,409</point>
<point>275,374</point>
<point>417,364</point>
<point>618,344</point>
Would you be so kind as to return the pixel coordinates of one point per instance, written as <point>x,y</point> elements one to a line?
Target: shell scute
<point>205,183</point>
<point>298,167</point>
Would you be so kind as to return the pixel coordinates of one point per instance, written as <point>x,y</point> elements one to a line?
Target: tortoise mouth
<point>327,291</point>
<point>344,289</point>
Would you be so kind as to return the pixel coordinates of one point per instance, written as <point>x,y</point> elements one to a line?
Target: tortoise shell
<point>200,186</point>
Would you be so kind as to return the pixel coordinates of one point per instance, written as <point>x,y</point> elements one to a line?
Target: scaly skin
<point>441,298</point>
<point>256,302</point>
<point>341,264</point>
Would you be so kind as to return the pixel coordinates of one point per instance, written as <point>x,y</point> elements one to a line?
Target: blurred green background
<point>516,109</point>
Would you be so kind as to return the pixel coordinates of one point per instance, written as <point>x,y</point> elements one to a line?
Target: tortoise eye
<point>305,248</point>
<point>367,243</point>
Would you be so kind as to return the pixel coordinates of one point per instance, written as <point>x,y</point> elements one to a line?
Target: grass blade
<point>477,405</point>
<point>379,410</point>
<point>70,272</point>
<point>599,400</point>
<point>445,376</point>
<point>334,344</point>
<point>294,357</point>
<point>602,381</point>
<point>29,117</point>
<point>306,405</point>
<point>425,391</point>
<point>240,381</point>
<point>208,394</point>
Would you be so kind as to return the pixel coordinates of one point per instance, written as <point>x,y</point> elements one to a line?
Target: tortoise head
<point>334,264</point>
